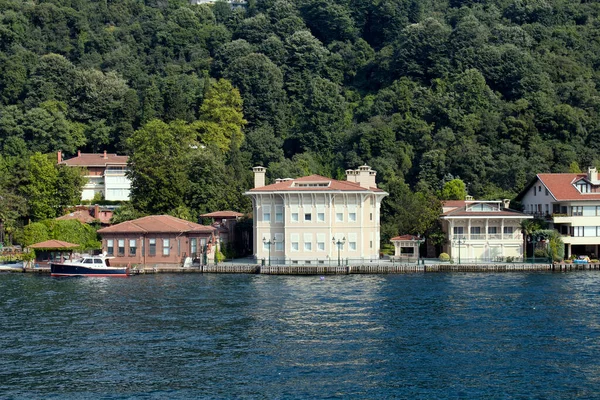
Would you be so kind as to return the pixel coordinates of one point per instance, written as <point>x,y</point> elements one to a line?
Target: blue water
<point>427,336</point>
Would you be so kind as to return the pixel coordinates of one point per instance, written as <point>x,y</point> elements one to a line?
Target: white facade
<point>316,220</point>
<point>483,231</point>
<point>570,203</point>
<point>105,174</point>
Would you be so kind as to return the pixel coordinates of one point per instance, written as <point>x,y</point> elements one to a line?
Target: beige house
<point>482,230</point>
<point>316,220</point>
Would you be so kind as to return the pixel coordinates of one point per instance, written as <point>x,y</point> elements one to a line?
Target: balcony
<point>493,236</point>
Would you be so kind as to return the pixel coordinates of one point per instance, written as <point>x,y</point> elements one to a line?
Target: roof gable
<point>313,183</point>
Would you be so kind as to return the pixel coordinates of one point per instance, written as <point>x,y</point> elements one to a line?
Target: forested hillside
<point>424,91</point>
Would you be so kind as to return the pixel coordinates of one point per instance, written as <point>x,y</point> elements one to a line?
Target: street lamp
<point>420,240</point>
<point>339,244</point>
<point>269,243</point>
<point>533,239</point>
<point>460,241</point>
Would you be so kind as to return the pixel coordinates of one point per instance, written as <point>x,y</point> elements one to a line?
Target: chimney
<point>105,156</point>
<point>78,153</point>
<point>364,176</point>
<point>351,175</point>
<point>59,156</point>
<point>259,176</point>
<point>506,203</point>
<point>592,175</point>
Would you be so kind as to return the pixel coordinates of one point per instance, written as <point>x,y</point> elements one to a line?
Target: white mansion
<point>316,220</point>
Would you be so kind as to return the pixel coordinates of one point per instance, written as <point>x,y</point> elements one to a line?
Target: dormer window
<point>583,186</point>
<point>312,184</point>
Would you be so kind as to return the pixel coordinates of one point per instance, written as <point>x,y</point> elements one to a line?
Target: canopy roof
<point>53,245</point>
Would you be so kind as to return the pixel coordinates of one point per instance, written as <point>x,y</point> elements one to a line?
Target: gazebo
<point>406,247</point>
<point>52,250</point>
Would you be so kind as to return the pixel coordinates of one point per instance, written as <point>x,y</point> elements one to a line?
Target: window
<point>492,230</point>
<point>307,242</point>
<point>578,231</point>
<point>278,213</point>
<point>266,246</point>
<point>166,247</point>
<point>339,217</point>
<point>370,216</point>
<point>193,246</point>
<point>295,239</point>
<point>508,230</point>
<point>266,213</point>
<point>370,244</point>
<point>307,216</point>
<point>151,247</point>
<point>534,191</point>
<point>121,248</point>
<point>321,217</point>
<point>459,230</point>
<point>577,211</point>
<point>110,247</point>
<point>294,246</point>
<point>352,217</point>
<point>132,247</point>
<point>279,245</point>
<point>352,246</point>
<point>476,232</point>
<point>294,217</point>
<point>320,242</point>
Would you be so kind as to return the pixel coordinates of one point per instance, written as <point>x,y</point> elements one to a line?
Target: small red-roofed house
<point>315,219</point>
<point>482,231</point>
<point>406,247</point>
<point>570,202</point>
<point>105,173</point>
<point>159,241</point>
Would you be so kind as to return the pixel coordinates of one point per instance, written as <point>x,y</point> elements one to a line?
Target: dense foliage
<point>424,91</point>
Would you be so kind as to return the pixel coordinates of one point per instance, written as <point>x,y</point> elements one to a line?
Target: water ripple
<point>249,336</point>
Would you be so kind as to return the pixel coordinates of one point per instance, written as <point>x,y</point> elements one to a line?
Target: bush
<point>444,257</point>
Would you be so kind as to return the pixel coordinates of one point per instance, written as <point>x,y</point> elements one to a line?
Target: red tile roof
<point>332,185</point>
<point>405,237</point>
<point>457,208</point>
<point>53,244</point>
<point>223,214</point>
<point>156,224</point>
<point>95,160</point>
<point>561,187</point>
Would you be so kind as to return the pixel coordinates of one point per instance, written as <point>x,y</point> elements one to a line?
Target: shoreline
<point>342,270</point>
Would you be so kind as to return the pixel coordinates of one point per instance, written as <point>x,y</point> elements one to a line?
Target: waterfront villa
<point>105,173</point>
<point>159,241</point>
<point>316,220</point>
<point>570,203</point>
<point>482,230</point>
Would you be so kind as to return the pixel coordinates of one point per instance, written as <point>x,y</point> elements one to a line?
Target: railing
<point>492,236</point>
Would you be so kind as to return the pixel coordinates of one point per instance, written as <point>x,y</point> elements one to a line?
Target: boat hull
<point>57,269</point>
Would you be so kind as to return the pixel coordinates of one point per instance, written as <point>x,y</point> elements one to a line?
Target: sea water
<point>427,336</point>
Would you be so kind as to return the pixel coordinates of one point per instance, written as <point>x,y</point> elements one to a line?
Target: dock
<point>375,268</point>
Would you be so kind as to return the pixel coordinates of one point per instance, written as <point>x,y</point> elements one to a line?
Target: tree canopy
<point>426,92</point>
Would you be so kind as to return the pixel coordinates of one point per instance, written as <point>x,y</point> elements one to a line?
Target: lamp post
<point>460,241</point>
<point>339,244</point>
<point>269,243</point>
<point>533,239</point>
<point>420,240</point>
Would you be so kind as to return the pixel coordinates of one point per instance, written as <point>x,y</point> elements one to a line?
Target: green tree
<point>221,118</point>
<point>158,165</point>
<point>454,190</point>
